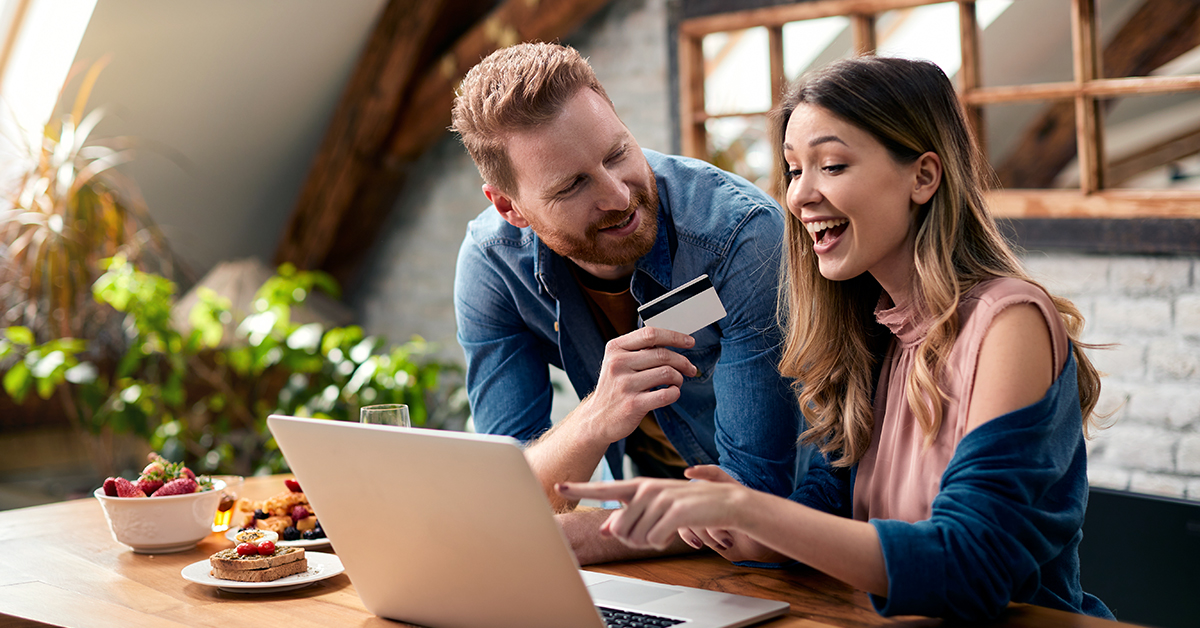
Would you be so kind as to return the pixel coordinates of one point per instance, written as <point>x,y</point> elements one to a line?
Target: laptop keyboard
<point>614,618</point>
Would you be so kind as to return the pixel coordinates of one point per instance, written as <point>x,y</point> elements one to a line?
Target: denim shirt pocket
<point>704,354</point>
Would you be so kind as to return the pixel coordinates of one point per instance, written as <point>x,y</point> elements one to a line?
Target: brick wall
<point>1149,309</point>
<point>1150,305</point>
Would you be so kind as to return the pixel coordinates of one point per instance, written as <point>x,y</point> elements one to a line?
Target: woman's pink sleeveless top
<point>898,477</point>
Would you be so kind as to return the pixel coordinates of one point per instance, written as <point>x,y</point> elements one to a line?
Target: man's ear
<point>504,204</point>
<point>928,177</point>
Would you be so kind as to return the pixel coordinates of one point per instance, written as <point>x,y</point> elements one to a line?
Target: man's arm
<point>582,529</point>
<point>639,374</point>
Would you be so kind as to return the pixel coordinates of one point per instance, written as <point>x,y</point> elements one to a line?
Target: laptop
<point>447,529</point>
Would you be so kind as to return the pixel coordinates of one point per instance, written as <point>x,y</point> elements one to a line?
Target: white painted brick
<point>1176,358</point>
<point>1136,447</point>
<point>1150,275</point>
<point>1068,275</point>
<point>1150,315</point>
<point>1168,404</point>
<point>1187,314</point>
<point>1108,477</point>
<point>1188,456</point>
<point>1114,400</point>
<point>1125,360</point>
<point>1158,484</point>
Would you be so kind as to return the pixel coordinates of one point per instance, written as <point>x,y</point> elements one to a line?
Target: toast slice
<point>262,575</point>
<point>230,560</point>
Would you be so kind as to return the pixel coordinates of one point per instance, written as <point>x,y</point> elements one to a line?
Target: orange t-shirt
<point>616,315</point>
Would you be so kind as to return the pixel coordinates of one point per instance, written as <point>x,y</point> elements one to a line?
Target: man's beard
<point>595,247</point>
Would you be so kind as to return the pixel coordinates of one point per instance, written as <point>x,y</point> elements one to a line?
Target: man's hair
<point>512,89</point>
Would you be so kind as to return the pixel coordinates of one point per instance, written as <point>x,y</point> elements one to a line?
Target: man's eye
<point>571,188</point>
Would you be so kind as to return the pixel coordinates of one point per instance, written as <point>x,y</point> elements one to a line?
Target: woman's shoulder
<point>993,292</point>
<point>986,300</point>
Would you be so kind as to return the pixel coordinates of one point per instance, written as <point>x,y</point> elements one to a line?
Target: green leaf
<point>45,387</point>
<point>19,335</point>
<point>17,382</point>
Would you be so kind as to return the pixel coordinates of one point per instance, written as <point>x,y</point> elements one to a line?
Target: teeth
<point>815,227</point>
<point>621,224</point>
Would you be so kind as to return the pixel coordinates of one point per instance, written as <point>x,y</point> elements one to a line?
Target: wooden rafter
<point>362,121</point>
<point>1160,30</point>
<point>396,107</point>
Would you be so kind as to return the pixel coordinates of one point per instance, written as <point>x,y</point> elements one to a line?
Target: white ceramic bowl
<point>160,525</point>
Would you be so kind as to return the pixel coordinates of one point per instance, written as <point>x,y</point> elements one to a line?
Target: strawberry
<point>152,469</point>
<point>181,486</point>
<point>148,486</point>
<point>125,488</point>
<point>292,485</point>
<point>110,487</point>
<point>188,473</point>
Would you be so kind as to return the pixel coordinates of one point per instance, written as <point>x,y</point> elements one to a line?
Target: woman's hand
<point>733,545</point>
<point>656,510</point>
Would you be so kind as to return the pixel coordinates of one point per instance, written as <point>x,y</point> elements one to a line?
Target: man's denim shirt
<point>519,309</point>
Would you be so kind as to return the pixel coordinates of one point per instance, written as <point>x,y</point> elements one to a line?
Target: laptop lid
<point>446,528</point>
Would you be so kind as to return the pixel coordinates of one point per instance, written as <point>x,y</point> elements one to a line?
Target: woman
<point>946,392</point>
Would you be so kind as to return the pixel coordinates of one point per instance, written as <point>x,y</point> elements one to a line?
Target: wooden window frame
<point>1091,218</point>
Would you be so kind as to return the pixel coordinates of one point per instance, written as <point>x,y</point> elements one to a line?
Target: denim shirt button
<point>556,327</point>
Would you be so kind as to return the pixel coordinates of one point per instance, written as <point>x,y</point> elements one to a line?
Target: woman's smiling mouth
<point>821,229</point>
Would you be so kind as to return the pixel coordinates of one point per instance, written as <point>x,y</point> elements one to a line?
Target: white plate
<point>231,534</point>
<point>320,567</point>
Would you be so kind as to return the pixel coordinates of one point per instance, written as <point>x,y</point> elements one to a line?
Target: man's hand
<point>639,374</point>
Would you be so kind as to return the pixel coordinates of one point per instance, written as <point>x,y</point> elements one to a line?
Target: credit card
<point>686,309</point>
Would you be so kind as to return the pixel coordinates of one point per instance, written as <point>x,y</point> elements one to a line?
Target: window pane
<point>812,44</point>
<point>737,72</point>
<point>927,32</point>
<point>1148,38</point>
<point>742,145</point>
<point>1027,42</point>
<point>1151,142</point>
<point>1032,145</point>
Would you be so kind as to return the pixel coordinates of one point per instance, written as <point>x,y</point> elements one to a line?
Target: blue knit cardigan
<point>1006,522</point>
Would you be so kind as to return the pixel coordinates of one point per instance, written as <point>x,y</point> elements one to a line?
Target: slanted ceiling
<point>395,106</point>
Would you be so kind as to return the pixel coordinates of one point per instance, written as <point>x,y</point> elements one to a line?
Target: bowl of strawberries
<point>168,508</point>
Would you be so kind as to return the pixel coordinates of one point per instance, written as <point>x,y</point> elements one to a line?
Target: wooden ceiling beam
<point>360,172</point>
<point>513,22</point>
<point>361,123</point>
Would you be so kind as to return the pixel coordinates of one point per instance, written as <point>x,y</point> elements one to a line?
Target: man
<point>584,226</point>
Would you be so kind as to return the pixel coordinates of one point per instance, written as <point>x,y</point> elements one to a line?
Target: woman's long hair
<point>833,344</point>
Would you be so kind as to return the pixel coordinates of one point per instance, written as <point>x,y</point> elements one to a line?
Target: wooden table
<point>59,565</point>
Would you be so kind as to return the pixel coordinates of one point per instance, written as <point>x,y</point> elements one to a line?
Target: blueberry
<point>259,514</point>
<point>309,535</point>
<point>290,533</point>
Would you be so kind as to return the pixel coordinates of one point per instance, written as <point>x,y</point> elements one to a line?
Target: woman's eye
<point>793,174</point>
<point>835,168</point>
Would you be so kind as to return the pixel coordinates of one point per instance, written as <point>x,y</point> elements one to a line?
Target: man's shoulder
<point>711,202</point>
<point>489,229</point>
<point>690,180</point>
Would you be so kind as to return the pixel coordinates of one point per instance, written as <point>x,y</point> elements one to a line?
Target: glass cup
<point>229,497</point>
<point>385,414</point>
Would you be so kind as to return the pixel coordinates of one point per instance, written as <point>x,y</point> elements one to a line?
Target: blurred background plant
<point>67,208</point>
<point>87,288</point>
<point>192,400</point>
